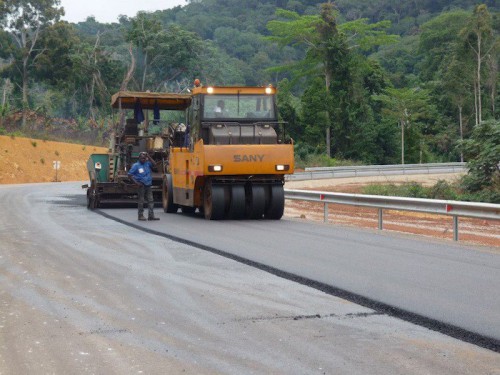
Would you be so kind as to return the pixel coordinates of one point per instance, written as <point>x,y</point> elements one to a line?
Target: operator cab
<point>235,115</point>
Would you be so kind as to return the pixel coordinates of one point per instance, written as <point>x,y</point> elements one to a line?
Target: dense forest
<point>376,82</point>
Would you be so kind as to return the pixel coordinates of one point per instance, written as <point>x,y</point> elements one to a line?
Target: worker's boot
<point>152,217</point>
<point>142,218</point>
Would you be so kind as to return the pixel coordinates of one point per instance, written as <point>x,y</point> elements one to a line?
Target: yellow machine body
<point>238,163</point>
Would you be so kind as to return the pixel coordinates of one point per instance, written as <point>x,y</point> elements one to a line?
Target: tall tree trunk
<point>493,78</point>
<point>421,152</point>
<point>144,73</point>
<point>123,87</point>
<point>95,77</point>
<point>25,92</point>
<point>461,131</point>
<point>479,61</point>
<point>402,142</point>
<point>4,95</point>
<point>91,97</point>
<point>476,109</point>
<point>4,101</point>
<point>130,72</point>
<point>328,135</point>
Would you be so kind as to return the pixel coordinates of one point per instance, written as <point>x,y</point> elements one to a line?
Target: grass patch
<point>441,190</point>
<point>411,190</point>
<point>303,161</point>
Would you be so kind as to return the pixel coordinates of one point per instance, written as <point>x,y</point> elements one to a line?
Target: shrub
<point>385,190</point>
<point>443,190</point>
<point>482,151</point>
<point>33,143</point>
<point>415,190</point>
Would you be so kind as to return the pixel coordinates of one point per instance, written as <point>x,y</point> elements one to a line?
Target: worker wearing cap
<point>141,174</point>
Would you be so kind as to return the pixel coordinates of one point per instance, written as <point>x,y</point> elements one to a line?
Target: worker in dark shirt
<point>141,174</point>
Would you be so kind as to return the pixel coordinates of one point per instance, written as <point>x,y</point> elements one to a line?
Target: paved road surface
<point>80,293</point>
<point>449,282</point>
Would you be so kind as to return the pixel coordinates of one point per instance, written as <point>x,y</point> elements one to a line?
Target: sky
<point>106,11</point>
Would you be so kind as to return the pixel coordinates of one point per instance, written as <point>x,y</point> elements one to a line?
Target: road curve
<point>80,293</point>
<point>447,282</point>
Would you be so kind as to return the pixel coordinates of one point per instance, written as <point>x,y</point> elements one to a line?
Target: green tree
<point>144,33</point>
<point>457,87</point>
<point>178,54</point>
<point>448,74</point>
<point>90,75</point>
<point>54,64</point>
<point>25,20</point>
<point>166,53</point>
<point>328,53</point>
<point>479,36</point>
<point>214,66</point>
<point>482,151</point>
<point>407,107</point>
<point>288,109</point>
<point>438,42</point>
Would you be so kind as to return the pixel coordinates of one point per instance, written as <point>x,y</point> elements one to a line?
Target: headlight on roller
<point>282,167</point>
<point>215,168</point>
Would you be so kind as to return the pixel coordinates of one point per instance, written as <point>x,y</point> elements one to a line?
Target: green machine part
<point>99,164</point>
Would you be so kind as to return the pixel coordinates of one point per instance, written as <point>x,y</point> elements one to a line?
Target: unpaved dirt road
<point>82,294</point>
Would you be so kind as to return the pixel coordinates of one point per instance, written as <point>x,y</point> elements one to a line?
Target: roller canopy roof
<point>148,99</point>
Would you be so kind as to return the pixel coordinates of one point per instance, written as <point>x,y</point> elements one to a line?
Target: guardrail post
<point>455,228</point>
<point>380,219</point>
<point>325,210</point>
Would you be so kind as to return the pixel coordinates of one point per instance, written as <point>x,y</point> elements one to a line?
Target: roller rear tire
<point>168,195</point>
<point>256,201</point>
<point>213,202</point>
<point>276,203</point>
<point>237,203</point>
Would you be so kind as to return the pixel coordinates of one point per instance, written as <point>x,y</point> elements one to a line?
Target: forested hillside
<point>379,81</point>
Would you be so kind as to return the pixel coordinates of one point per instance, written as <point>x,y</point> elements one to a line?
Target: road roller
<point>233,157</point>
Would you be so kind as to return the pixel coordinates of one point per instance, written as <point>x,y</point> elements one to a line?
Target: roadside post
<point>56,164</point>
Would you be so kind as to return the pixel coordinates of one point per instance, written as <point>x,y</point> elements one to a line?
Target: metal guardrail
<point>433,206</point>
<point>376,170</point>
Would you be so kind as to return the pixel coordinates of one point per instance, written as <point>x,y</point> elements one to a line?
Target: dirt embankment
<point>25,160</point>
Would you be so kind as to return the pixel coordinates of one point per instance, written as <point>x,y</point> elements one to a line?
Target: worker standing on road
<point>141,174</point>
